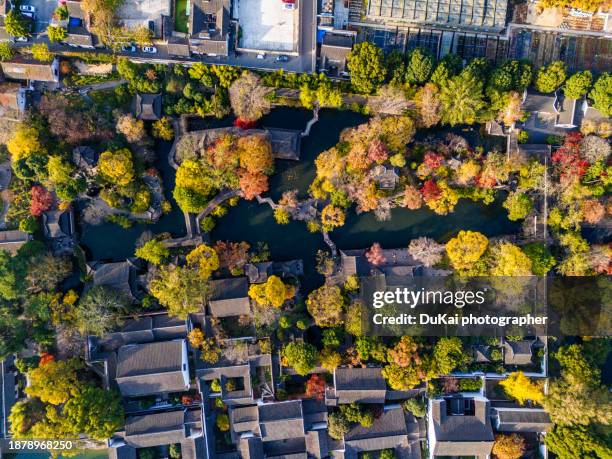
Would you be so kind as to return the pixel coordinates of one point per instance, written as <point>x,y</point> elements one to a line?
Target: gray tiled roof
<point>229,297</point>
<point>392,423</point>
<point>155,429</point>
<point>281,421</point>
<point>536,102</point>
<point>151,368</point>
<point>365,385</point>
<point>23,69</point>
<point>518,352</point>
<point>462,435</point>
<point>251,448</point>
<point>115,275</point>
<point>148,106</point>
<point>522,420</point>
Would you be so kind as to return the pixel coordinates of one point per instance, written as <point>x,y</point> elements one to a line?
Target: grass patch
<point>180,16</point>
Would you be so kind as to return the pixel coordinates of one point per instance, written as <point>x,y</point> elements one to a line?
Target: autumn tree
<point>521,388</point>
<point>45,272</point>
<point>179,289</point>
<point>204,259</point>
<point>232,255</point>
<point>41,200</point>
<point>388,100</point>
<point>248,97</point>
<point>163,128</point>
<point>55,382</point>
<point>466,249</point>
<point>375,254</point>
<point>402,378</point>
<point>255,154</point>
<point>366,64</point>
<point>405,352</point>
<point>325,305</point>
<point>274,292</point>
<point>592,211</point>
<point>511,111</point>
<point>449,355</point>
<point>428,102</point>
<point>332,217</point>
<point>153,251</point>
<point>426,251</point>
<point>56,34</point>
<point>40,52</point>
<point>412,198</point>
<point>542,260</point>
<point>16,24</point>
<point>315,387</point>
<point>510,446</point>
<point>519,205</point>
<point>252,184</point>
<point>6,51</point>
<point>117,167</point>
<point>132,128</point>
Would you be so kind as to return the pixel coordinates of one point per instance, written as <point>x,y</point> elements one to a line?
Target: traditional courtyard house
<point>356,385</point>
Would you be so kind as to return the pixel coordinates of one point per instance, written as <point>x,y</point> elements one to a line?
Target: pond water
<point>253,222</point>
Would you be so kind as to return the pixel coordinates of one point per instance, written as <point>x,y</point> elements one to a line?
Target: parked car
<point>261,56</point>
<point>28,14</point>
<point>282,58</point>
<point>128,48</point>
<point>27,8</point>
<point>21,39</point>
<point>149,49</point>
<point>289,6</point>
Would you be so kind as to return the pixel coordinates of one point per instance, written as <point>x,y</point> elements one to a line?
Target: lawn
<point>180,16</point>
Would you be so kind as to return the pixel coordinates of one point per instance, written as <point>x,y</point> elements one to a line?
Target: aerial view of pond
<point>253,222</point>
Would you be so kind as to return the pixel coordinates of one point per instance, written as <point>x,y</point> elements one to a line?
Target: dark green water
<point>253,222</point>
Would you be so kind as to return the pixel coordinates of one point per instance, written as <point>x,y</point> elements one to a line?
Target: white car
<point>27,8</point>
<point>21,39</point>
<point>28,14</point>
<point>261,56</point>
<point>149,49</point>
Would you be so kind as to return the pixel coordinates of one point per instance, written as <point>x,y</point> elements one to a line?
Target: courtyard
<point>266,25</point>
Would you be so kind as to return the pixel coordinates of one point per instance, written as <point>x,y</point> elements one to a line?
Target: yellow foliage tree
<point>273,292</point>
<point>24,142</point>
<point>466,249</point>
<point>521,388</point>
<point>205,258</point>
<point>117,167</point>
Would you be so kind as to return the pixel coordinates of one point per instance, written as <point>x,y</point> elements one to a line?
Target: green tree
<point>16,24</point>
<point>542,260</point>
<point>153,251</point>
<point>419,66</point>
<point>6,51</point>
<point>100,311</point>
<point>550,77</point>
<point>601,94</point>
<point>448,67</point>
<point>56,33</point>
<point>117,167</point>
<point>163,128</point>
<point>578,85</point>
<point>96,412</point>
<point>325,305</point>
<point>478,68</point>
<point>181,290</point>
<point>449,355</point>
<point>205,259</point>
<point>416,406</point>
<point>461,100</point>
<point>570,442</point>
<point>366,64</point>
<point>337,425</point>
<point>518,205</point>
<point>301,356</point>
<point>402,378</point>
<point>40,52</point>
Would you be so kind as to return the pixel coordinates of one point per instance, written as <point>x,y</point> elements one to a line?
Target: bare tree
<point>426,250</point>
<point>248,98</point>
<point>428,102</point>
<point>390,100</point>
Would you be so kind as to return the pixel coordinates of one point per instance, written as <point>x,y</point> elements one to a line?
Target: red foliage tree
<point>45,358</point>
<point>232,254</point>
<point>375,254</point>
<point>568,159</point>
<point>252,184</point>
<point>315,387</point>
<point>485,181</point>
<point>41,200</point>
<point>433,160</point>
<point>242,124</point>
<point>377,151</point>
<point>431,191</point>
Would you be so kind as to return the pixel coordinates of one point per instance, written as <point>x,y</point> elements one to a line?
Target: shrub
<point>223,423</point>
<point>470,384</point>
<point>416,406</point>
